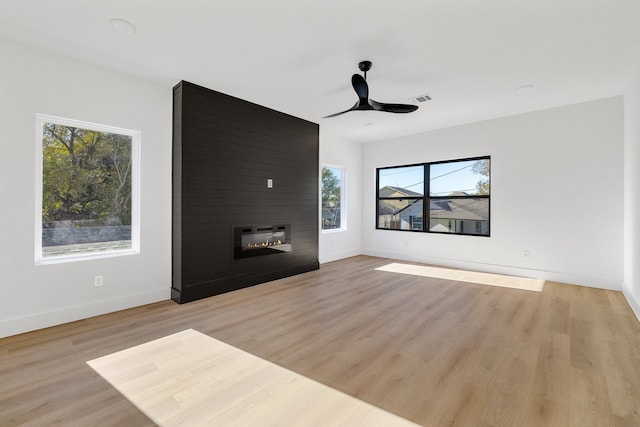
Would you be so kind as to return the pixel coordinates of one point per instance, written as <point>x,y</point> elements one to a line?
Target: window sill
<point>85,257</point>
<point>333,230</point>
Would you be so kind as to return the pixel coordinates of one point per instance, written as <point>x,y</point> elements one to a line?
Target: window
<point>87,185</point>
<point>400,197</point>
<point>333,198</point>
<point>440,197</point>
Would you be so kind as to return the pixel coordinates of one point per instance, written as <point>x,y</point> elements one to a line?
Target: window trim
<point>343,199</point>
<point>426,197</point>
<point>135,135</point>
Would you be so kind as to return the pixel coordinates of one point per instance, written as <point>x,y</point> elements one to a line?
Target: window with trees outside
<point>87,190</point>
<point>332,198</point>
<point>439,197</point>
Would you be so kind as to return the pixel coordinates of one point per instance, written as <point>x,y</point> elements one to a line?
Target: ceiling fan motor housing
<point>365,66</point>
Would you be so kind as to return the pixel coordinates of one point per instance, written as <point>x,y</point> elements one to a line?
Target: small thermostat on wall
<point>269,183</point>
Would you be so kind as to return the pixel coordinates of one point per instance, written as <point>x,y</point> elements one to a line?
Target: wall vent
<point>421,98</point>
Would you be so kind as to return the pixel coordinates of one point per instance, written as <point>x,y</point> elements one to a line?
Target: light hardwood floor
<point>433,351</point>
<point>192,379</point>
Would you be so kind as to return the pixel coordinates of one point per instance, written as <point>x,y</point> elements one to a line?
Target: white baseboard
<point>633,303</point>
<point>554,276</point>
<point>32,322</point>
<point>335,256</point>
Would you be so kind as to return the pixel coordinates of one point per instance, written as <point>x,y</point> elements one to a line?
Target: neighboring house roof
<point>472,209</point>
<point>467,209</point>
<point>389,191</point>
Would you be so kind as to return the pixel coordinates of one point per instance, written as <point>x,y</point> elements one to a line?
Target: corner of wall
<point>634,303</point>
<point>336,256</point>
<point>631,285</point>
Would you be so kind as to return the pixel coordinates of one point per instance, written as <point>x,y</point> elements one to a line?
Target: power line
<point>413,170</point>
<point>449,173</point>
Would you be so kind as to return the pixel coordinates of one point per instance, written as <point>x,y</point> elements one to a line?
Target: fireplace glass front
<point>253,241</point>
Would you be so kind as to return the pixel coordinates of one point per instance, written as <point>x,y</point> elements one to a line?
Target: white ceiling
<point>298,56</point>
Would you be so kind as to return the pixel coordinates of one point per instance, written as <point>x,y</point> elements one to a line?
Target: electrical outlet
<point>98,281</point>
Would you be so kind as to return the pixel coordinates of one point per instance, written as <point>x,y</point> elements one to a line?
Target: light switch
<point>269,183</point>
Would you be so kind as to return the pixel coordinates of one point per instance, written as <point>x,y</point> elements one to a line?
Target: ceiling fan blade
<point>360,86</point>
<point>392,108</point>
<point>355,107</point>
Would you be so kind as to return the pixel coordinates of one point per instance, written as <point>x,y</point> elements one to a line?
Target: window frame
<point>135,135</point>
<point>426,198</point>
<point>343,200</point>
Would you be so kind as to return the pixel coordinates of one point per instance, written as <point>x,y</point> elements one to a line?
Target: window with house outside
<point>332,204</point>
<point>439,197</point>
<point>87,190</point>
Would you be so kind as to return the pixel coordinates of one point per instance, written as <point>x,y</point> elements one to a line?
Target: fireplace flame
<point>264,244</point>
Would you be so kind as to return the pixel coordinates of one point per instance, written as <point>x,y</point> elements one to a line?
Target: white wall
<point>338,244</point>
<point>34,81</point>
<point>557,191</point>
<point>632,194</point>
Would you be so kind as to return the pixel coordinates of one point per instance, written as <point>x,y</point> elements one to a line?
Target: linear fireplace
<point>253,241</point>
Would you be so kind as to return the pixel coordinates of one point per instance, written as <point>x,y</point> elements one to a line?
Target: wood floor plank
<point>550,394</point>
<point>430,350</point>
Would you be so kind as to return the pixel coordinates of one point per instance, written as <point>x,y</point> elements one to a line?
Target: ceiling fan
<point>364,103</point>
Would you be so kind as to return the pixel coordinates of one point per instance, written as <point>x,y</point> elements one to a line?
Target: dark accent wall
<point>224,150</point>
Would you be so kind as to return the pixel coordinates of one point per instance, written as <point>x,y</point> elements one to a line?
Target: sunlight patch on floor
<point>191,379</point>
<point>490,279</point>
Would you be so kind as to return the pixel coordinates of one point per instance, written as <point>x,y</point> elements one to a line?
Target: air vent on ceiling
<point>421,98</point>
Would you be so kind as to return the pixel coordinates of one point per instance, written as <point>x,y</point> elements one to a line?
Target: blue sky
<point>445,178</point>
